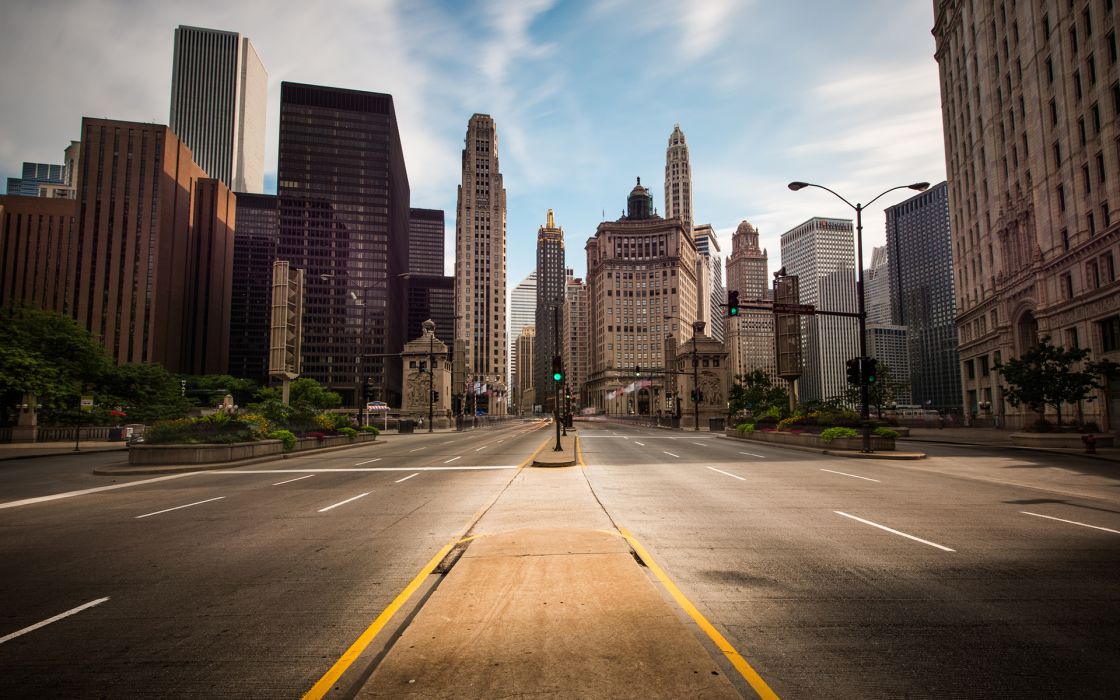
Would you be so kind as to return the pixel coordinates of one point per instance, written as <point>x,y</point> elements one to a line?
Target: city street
<point>977,572</point>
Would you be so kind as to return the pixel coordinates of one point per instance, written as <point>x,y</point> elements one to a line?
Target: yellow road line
<point>579,454</point>
<point>321,688</point>
<point>736,659</point>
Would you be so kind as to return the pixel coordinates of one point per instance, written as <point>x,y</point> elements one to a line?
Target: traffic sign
<point>805,309</point>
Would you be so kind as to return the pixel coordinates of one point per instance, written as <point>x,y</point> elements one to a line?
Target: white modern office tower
<point>877,288</point>
<point>522,312</point>
<point>888,344</point>
<point>480,261</point>
<point>750,335</point>
<point>814,251</point>
<point>219,97</point>
<point>713,290</point>
<point>678,179</point>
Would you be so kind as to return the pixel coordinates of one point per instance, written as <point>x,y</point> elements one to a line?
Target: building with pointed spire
<point>480,266</point>
<point>750,335</point>
<point>678,179</point>
<point>551,282</point>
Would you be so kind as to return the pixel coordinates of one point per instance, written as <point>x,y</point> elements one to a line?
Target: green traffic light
<point>556,376</point>
<point>734,310</point>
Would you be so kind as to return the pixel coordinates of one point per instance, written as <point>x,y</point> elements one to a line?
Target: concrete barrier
<point>201,454</point>
<point>1059,440</point>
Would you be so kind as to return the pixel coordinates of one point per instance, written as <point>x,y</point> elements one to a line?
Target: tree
<point>754,393</point>
<point>146,393</point>
<point>1044,376</point>
<point>884,391</point>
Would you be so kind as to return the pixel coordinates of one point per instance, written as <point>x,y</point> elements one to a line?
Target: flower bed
<point>811,440</point>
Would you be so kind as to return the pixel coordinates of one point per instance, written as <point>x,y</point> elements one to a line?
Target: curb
<point>214,466</point>
<point>1002,446</point>
<point>63,454</point>
<point>569,463</point>
<point>836,453</point>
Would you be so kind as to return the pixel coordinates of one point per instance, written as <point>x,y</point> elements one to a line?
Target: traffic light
<point>733,303</point>
<point>870,370</point>
<point>637,370</point>
<point>853,371</point>
<point>557,369</point>
<point>692,395</point>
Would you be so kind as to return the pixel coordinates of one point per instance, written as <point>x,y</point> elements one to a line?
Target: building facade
<point>38,238</point>
<point>750,335</point>
<point>425,243</point>
<point>889,345</point>
<point>551,284</point>
<point>1030,96</point>
<point>480,261</point>
<point>344,203</point>
<point>920,273</point>
<point>678,178</point>
<point>522,312</point>
<point>814,251</point>
<point>254,252</point>
<point>877,287</point>
<point>642,289</point>
<point>525,397</point>
<point>707,245</point>
<point>577,331</point>
<point>219,97</point>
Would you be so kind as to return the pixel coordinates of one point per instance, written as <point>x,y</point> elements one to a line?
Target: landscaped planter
<point>143,454</point>
<point>1059,440</point>
<point>310,443</point>
<point>812,440</point>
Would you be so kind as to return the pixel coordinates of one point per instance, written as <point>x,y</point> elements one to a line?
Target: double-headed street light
<point>862,313</point>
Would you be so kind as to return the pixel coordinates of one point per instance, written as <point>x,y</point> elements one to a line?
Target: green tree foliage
<point>755,394</point>
<point>1045,376</point>
<point>209,389</point>
<point>145,392</point>
<point>882,393</point>
<point>306,398</point>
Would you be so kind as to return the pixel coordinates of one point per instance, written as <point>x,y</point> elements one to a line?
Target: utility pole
<point>697,328</point>
<point>431,372</point>
<point>557,381</point>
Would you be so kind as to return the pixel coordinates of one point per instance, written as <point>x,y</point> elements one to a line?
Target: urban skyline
<point>541,50</point>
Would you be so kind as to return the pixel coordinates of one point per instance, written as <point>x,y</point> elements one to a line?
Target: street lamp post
<point>861,309</point>
<point>697,328</point>
<point>431,373</point>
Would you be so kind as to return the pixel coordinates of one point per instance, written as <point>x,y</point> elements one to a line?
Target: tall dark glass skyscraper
<point>919,253</point>
<point>254,250</point>
<point>425,243</point>
<point>551,283</point>
<point>344,212</point>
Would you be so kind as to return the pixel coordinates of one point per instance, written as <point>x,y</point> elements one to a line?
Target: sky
<point>584,96</point>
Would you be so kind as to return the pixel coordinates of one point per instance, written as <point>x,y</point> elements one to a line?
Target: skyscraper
<point>254,251</point>
<point>577,349</point>
<point>821,252</point>
<point>1030,112</point>
<point>750,335</point>
<point>713,289</point>
<point>642,288</point>
<point>525,397</point>
<point>678,179</point>
<point>877,288</point>
<point>480,260</point>
<point>551,283</point>
<point>425,247</point>
<point>920,278</point>
<point>522,312</point>
<point>344,213</point>
<point>219,96</point>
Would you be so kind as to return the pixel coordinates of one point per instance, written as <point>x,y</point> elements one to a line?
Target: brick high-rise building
<point>219,96</point>
<point>480,262</point>
<point>143,257</point>
<point>750,335</point>
<point>254,251</point>
<point>1030,99</point>
<point>642,288</point>
<point>551,284</point>
<point>525,397</point>
<point>344,213</point>
<point>577,332</point>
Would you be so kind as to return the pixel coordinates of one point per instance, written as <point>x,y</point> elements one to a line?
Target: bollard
<point>1090,444</point>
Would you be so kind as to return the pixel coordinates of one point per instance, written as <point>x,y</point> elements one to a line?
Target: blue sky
<point>584,94</point>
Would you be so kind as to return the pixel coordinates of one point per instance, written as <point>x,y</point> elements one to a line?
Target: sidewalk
<point>565,457</point>
<point>991,437</point>
<point>22,450</point>
<point>547,599</point>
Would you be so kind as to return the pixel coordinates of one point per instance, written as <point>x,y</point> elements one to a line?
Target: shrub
<point>348,432</point>
<point>216,429</point>
<point>257,424</point>
<point>767,419</point>
<point>831,434</point>
<point>370,429</point>
<point>885,432</point>
<point>745,427</point>
<point>286,436</point>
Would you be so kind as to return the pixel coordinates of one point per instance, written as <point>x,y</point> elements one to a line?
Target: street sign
<point>805,309</point>
<point>376,406</point>
<point>87,403</point>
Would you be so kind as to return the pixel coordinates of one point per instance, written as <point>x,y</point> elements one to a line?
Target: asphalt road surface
<point>975,573</point>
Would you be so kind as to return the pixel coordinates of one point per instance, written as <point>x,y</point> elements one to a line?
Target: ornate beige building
<point>577,346</point>
<point>750,335</point>
<point>418,354</point>
<point>480,264</point>
<point>1030,96</point>
<point>641,286</point>
<point>525,396</point>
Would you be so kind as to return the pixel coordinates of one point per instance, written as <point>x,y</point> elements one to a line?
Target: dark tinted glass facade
<point>425,242</point>
<point>344,202</point>
<point>254,250</point>
<point>922,296</point>
<point>430,296</point>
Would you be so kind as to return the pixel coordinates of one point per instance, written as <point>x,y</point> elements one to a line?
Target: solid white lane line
<point>168,510</point>
<point>342,503</point>
<point>56,618</point>
<point>482,448</point>
<point>672,455</point>
<point>895,532</point>
<point>83,492</point>
<point>851,475</point>
<point>453,459</point>
<point>727,473</point>
<point>751,454</point>
<point>281,483</point>
<point>639,443</point>
<point>419,448</point>
<point>700,444</point>
<point>375,459</point>
<point>1071,522</point>
<point>356,470</point>
<point>407,478</point>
